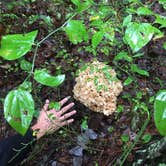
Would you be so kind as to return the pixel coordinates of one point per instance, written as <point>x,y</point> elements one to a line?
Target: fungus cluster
<point>97,87</point>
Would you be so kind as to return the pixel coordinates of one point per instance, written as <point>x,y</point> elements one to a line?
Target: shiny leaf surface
<point>127,20</point>
<point>43,77</point>
<point>17,45</point>
<point>138,35</point>
<point>160,112</point>
<point>76,31</point>
<point>19,110</point>
<point>144,11</point>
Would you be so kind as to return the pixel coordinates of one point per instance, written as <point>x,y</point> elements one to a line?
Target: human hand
<point>51,120</point>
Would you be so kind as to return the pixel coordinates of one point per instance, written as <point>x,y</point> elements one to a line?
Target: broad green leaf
<point>123,56</point>
<point>17,45</point>
<point>25,65</point>
<point>127,20</point>
<point>19,110</point>
<point>138,35</point>
<point>76,31</point>
<point>144,11</point>
<point>128,81</point>
<point>43,77</point>
<point>160,112</point>
<point>96,39</point>
<point>136,69</point>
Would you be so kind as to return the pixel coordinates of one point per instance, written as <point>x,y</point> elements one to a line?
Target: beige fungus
<point>97,87</point>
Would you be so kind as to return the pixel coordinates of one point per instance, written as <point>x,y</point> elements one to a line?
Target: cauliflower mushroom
<point>97,87</point>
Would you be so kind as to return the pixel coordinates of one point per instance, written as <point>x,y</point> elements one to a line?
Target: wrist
<point>37,131</point>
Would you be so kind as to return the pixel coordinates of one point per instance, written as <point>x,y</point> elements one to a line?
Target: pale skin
<point>47,125</point>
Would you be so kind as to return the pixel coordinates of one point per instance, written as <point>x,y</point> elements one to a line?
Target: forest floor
<point>107,143</point>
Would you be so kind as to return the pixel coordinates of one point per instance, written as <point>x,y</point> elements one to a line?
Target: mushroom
<point>97,87</point>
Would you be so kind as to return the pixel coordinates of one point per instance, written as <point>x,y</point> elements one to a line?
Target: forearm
<point>15,148</point>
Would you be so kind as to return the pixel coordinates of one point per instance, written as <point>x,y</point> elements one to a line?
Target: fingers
<point>66,108</point>
<point>63,101</point>
<point>67,122</point>
<point>46,105</point>
<point>65,116</point>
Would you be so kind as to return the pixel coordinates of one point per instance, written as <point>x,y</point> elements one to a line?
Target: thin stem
<point>127,151</point>
<point>41,41</point>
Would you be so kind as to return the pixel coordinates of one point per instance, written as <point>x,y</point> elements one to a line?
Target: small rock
<point>54,163</point>
<point>91,134</point>
<point>77,151</point>
<point>77,161</point>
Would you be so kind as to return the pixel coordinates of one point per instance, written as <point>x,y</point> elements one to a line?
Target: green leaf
<point>96,39</point>
<point>110,129</point>
<point>138,55</point>
<point>120,108</point>
<point>138,35</point>
<point>160,112</point>
<point>144,11</point>
<point>26,85</point>
<point>76,31</point>
<point>17,45</point>
<point>128,81</point>
<point>163,2</point>
<point>76,2</point>
<point>146,138</point>
<point>25,65</point>
<point>125,138</point>
<point>55,105</point>
<point>136,69</point>
<point>109,31</point>
<point>85,5</point>
<point>127,20</point>
<point>44,78</point>
<point>161,20</point>
<point>19,110</point>
<point>123,56</point>
<point>162,164</point>
<point>84,124</point>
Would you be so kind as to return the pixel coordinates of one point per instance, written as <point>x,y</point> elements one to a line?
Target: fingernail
<point>47,101</point>
<point>68,97</point>
<point>72,104</point>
